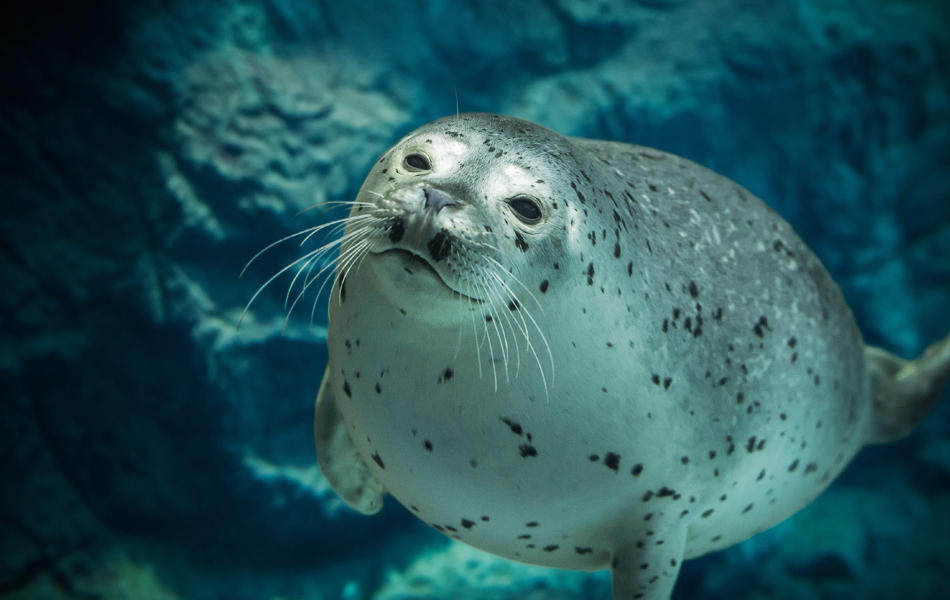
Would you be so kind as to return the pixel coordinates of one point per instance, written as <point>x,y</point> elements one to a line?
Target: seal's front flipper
<point>903,391</point>
<point>339,460</point>
<point>646,567</point>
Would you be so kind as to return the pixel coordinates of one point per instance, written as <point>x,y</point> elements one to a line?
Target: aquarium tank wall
<point>153,448</point>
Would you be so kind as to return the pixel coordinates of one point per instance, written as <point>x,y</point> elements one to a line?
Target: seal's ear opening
<point>903,391</point>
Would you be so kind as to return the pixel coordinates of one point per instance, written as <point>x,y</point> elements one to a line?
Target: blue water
<point>151,449</point>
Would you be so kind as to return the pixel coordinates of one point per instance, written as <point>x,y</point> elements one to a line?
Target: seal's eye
<point>417,162</point>
<point>526,209</point>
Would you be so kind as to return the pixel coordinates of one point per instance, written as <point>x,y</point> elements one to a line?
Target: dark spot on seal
<point>342,291</point>
<point>447,375</point>
<point>531,524</point>
<point>520,243</point>
<point>664,492</point>
<point>647,495</point>
<point>583,550</point>
<point>590,274</point>
<point>612,461</point>
<point>792,342</point>
<point>346,389</point>
<point>396,230</point>
<point>378,460</point>
<point>527,450</point>
<point>793,466</point>
<point>684,460</point>
<point>428,445</point>
<point>637,469</point>
<point>580,196</point>
<point>544,286</point>
<point>693,290</point>
<point>379,390</point>
<point>550,548</point>
<point>761,325</point>
<point>467,524</point>
<point>706,513</point>
<point>524,536</point>
<point>666,383</point>
<point>440,245</point>
<point>515,427</point>
<point>811,467</point>
<point>656,379</point>
<point>617,250</point>
<point>747,508</point>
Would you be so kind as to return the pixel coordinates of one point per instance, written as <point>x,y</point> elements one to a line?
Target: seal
<point>590,355</point>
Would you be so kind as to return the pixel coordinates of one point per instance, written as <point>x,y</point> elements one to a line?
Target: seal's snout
<point>436,200</point>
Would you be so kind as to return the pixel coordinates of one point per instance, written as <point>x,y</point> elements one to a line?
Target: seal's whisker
<point>339,224</point>
<point>491,355</point>
<point>308,267</point>
<point>354,253</point>
<point>317,255</point>
<point>478,354</point>
<point>525,312</point>
<point>271,245</point>
<point>476,280</point>
<point>489,293</point>
<point>502,343</point>
<point>516,280</point>
<point>309,281</point>
<point>496,296</point>
<point>247,307</point>
<point>361,252</point>
<point>346,255</point>
<point>458,344</point>
<point>330,203</point>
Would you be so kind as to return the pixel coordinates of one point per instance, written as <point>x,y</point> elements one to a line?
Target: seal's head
<point>467,208</point>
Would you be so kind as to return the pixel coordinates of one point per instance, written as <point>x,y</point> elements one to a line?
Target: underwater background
<point>151,449</point>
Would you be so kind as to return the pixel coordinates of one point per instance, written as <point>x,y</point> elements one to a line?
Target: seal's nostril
<point>436,200</point>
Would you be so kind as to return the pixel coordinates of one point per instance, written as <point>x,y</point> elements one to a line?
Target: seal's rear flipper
<point>903,391</point>
<point>339,460</point>
<point>646,566</point>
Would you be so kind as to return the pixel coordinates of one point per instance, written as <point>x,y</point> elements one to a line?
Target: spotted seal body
<point>590,355</point>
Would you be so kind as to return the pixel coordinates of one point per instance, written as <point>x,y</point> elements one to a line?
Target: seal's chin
<point>419,270</point>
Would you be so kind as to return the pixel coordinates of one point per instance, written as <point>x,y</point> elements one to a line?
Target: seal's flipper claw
<point>903,391</point>
<point>646,568</point>
<point>339,460</point>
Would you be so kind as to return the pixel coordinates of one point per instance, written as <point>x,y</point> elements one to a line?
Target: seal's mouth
<point>413,263</point>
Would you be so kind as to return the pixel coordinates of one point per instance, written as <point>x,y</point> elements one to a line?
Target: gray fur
<point>705,380</point>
